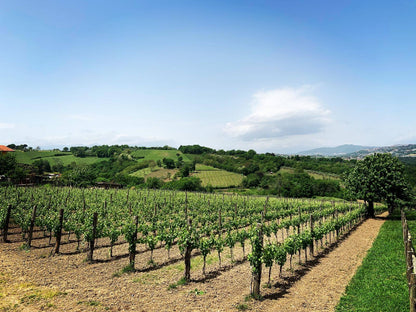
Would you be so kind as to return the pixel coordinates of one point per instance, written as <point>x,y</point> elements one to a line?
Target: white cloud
<point>6,125</point>
<point>280,113</point>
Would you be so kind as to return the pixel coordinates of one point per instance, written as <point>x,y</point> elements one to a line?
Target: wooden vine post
<point>311,247</point>
<point>32,225</point>
<point>6,223</point>
<point>255,261</point>
<point>92,239</point>
<point>58,233</point>
<point>188,251</point>
<point>132,247</point>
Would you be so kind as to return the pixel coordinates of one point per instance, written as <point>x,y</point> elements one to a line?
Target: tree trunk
<point>92,241</point>
<point>58,233</point>
<point>188,251</point>
<point>32,224</point>
<point>370,209</point>
<point>205,262</point>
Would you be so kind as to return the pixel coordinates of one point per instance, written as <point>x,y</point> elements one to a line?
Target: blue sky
<point>274,76</point>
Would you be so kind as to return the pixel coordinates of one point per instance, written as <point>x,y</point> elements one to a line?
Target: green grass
<point>181,282</point>
<point>141,173</point>
<point>153,154</point>
<point>219,178</point>
<point>380,282</point>
<point>411,222</point>
<point>51,156</point>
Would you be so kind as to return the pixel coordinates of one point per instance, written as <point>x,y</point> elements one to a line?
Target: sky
<point>278,76</point>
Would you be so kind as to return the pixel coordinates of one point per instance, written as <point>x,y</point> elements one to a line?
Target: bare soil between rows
<point>36,281</point>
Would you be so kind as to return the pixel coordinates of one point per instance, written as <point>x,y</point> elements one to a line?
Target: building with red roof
<point>5,149</point>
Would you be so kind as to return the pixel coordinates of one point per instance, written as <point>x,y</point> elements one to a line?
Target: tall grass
<point>380,282</point>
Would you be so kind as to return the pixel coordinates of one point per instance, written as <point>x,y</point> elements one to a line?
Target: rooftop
<point>4,149</point>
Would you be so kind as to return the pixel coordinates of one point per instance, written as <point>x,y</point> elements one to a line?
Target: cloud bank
<point>280,113</point>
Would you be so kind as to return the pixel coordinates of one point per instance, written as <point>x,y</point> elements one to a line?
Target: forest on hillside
<point>263,173</point>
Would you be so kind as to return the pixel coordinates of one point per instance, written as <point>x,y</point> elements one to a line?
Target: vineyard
<point>151,231</point>
<point>217,178</point>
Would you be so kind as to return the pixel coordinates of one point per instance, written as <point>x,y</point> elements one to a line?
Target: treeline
<point>263,173</point>
<point>298,185</point>
<point>246,162</point>
<point>105,151</point>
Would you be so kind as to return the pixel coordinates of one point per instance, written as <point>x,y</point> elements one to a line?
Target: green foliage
<point>8,164</point>
<point>378,177</point>
<point>42,165</point>
<point>79,176</point>
<point>205,246</point>
<point>168,163</point>
<point>194,149</point>
<point>255,257</point>
<point>292,244</point>
<point>154,183</point>
<point>269,253</point>
<point>184,184</point>
<point>280,255</point>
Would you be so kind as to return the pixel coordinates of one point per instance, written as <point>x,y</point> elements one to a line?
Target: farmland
<point>159,264</point>
<point>54,158</point>
<point>156,154</point>
<point>216,177</point>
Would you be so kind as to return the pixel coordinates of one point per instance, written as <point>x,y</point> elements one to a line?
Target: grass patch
<point>242,307</point>
<point>91,303</point>
<point>181,282</point>
<point>54,158</point>
<point>380,282</point>
<point>32,297</point>
<point>155,154</point>
<point>127,269</point>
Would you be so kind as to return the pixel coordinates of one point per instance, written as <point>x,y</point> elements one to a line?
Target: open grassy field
<point>380,283</point>
<point>154,154</point>
<point>216,177</point>
<point>54,157</point>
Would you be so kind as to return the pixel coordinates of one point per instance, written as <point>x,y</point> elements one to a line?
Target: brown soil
<point>34,281</point>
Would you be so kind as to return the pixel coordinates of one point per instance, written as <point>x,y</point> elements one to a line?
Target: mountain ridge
<point>360,151</point>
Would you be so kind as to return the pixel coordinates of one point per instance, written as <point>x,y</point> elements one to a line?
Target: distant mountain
<point>404,150</point>
<point>359,151</point>
<point>341,150</point>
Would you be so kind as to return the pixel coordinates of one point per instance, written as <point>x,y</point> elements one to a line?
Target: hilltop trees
<point>378,177</point>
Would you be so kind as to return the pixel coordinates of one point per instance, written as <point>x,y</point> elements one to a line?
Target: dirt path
<point>34,281</point>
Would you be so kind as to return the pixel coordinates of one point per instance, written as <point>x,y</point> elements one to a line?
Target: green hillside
<point>156,154</point>
<point>54,157</point>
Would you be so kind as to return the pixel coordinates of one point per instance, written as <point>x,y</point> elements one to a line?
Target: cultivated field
<point>221,230</point>
<point>217,177</point>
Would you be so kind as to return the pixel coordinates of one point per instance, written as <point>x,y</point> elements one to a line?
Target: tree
<point>169,163</point>
<point>378,177</point>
